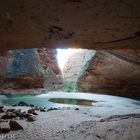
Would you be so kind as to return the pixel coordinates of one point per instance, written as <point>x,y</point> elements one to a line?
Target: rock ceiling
<point>94,24</point>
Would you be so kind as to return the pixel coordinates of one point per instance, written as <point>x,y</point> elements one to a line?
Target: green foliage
<point>69,86</point>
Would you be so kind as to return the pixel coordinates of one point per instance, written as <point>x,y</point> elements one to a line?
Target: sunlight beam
<point>63,55</point>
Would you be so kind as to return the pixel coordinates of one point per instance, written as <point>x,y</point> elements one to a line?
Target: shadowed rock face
<point>96,24</point>
<point>115,72</point>
<point>28,69</point>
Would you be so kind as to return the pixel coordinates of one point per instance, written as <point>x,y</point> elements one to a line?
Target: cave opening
<point>73,63</point>
<point>64,54</point>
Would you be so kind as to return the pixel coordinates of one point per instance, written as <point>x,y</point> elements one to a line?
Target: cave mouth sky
<point>63,55</point>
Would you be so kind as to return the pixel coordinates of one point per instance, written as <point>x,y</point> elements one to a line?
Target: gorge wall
<point>74,64</point>
<point>115,72</point>
<point>29,69</point>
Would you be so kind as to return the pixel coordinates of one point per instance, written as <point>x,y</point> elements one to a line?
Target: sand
<point>103,121</point>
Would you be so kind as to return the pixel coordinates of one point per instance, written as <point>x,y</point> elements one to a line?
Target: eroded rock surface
<point>115,72</point>
<point>74,64</point>
<point>29,69</point>
<point>95,24</point>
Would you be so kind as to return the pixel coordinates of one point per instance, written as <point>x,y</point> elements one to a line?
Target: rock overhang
<point>91,24</point>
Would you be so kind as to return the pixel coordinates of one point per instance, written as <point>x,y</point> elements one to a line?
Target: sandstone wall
<point>74,64</point>
<point>27,69</point>
<point>115,72</point>
<point>52,72</point>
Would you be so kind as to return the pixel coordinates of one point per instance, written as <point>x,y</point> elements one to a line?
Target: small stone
<point>1,106</point>
<point>28,114</point>
<point>50,109</point>
<point>31,118</point>
<point>31,105</point>
<point>4,128</point>
<point>76,108</point>
<point>22,114</point>
<point>15,126</point>
<point>22,103</point>
<point>42,110</point>
<point>17,112</point>
<point>32,111</point>
<point>1,110</point>
<point>37,108</point>
<point>68,108</point>
<point>10,110</point>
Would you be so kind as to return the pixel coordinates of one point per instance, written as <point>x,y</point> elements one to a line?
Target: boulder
<point>32,111</point>
<point>15,125</point>
<point>31,118</point>
<point>21,114</point>
<point>9,115</point>
<point>17,112</point>
<point>28,115</point>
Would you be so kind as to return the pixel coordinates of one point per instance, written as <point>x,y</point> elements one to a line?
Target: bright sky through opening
<point>63,56</point>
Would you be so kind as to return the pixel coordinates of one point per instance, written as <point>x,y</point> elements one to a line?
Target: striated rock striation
<point>75,63</point>
<point>94,24</point>
<point>115,72</point>
<point>27,69</point>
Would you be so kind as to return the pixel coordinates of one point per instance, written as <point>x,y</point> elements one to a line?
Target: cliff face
<point>27,69</point>
<point>115,72</point>
<point>52,72</point>
<point>74,64</point>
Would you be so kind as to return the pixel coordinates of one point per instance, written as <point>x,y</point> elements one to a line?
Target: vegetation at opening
<point>69,86</point>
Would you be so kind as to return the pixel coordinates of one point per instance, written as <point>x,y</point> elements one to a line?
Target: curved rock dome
<point>94,24</point>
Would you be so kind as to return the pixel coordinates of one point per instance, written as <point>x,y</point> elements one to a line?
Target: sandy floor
<point>103,121</point>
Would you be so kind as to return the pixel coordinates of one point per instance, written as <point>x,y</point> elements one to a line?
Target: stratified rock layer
<point>94,24</point>
<point>113,72</point>
<point>75,63</point>
<point>29,69</point>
